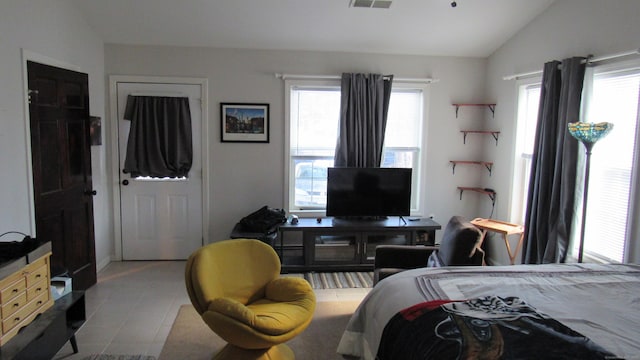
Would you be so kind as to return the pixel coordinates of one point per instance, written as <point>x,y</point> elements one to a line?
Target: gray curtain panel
<point>363,119</point>
<point>552,184</point>
<point>160,139</point>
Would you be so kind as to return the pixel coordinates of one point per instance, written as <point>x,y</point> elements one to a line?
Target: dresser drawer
<point>14,305</point>
<point>8,280</point>
<point>23,313</point>
<point>38,289</point>
<point>36,271</point>
<point>12,289</point>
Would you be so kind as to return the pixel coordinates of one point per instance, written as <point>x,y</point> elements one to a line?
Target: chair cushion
<point>459,243</point>
<point>288,289</point>
<point>293,305</point>
<point>267,317</point>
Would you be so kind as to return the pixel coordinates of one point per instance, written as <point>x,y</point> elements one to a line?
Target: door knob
<point>90,192</point>
<point>125,182</point>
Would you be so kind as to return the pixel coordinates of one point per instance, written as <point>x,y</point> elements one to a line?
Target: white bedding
<point>601,302</point>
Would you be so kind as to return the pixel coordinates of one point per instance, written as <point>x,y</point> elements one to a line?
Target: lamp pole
<point>588,146</point>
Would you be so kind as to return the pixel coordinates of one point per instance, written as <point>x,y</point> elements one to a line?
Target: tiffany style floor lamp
<point>588,134</point>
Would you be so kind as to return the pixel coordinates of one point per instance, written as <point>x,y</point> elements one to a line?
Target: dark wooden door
<point>61,157</point>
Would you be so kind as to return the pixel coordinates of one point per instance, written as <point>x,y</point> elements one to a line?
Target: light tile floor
<point>132,307</point>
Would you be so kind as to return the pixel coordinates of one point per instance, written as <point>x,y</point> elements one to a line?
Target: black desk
<point>46,335</point>
<point>346,245</point>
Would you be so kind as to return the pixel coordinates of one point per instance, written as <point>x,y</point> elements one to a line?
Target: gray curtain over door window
<point>160,139</point>
<point>363,119</point>
<point>552,185</point>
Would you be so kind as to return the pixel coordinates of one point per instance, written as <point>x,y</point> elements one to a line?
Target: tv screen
<point>368,192</point>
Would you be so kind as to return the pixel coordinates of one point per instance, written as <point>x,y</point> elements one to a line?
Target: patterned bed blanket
<point>602,302</point>
<point>488,328</point>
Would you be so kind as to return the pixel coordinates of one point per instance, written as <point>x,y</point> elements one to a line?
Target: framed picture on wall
<point>244,122</point>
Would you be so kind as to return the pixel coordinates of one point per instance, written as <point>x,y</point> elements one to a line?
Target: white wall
<point>247,176</point>
<point>56,33</point>
<point>567,28</point>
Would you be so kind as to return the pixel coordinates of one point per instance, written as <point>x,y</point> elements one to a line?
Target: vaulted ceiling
<point>472,28</point>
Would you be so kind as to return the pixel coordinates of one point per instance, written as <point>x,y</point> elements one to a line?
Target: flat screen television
<point>368,193</point>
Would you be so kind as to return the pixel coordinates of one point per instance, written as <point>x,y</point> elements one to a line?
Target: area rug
<point>191,339</point>
<point>340,280</point>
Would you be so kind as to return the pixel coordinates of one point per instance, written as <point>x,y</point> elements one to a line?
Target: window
<point>528,102</point>
<point>614,98</point>
<point>313,109</point>
<point>611,96</point>
<point>313,130</point>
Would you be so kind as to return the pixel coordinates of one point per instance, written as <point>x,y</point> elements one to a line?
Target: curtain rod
<point>338,77</point>
<point>589,60</point>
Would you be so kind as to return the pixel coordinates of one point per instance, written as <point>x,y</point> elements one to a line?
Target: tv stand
<point>346,244</point>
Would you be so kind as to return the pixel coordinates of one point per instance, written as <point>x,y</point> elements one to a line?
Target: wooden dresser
<point>24,290</point>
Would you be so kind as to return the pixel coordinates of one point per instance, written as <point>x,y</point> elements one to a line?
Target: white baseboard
<point>103,263</point>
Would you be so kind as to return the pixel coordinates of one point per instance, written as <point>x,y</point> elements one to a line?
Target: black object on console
<point>261,224</point>
<point>10,250</point>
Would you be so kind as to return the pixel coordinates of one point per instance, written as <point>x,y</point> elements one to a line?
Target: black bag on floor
<point>263,220</point>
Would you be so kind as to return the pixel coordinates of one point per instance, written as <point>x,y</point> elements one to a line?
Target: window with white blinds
<point>313,118</point>
<point>614,98</point>
<point>611,95</point>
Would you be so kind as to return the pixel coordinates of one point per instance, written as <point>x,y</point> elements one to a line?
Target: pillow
<point>459,243</point>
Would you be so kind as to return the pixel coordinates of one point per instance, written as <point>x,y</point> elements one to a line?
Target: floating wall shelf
<point>491,107</point>
<point>495,134</point>
<point>488,192</point>
<point>487,164</point>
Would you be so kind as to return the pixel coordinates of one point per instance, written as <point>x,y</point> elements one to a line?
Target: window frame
<point>609,70</point>
<point>418,177</point>
<point>631,248</point>
<point>519,178</point>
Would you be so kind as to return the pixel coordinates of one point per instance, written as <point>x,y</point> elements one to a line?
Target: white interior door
<point>161,219</point>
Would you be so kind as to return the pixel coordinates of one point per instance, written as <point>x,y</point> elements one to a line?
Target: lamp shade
<point>589,132</point>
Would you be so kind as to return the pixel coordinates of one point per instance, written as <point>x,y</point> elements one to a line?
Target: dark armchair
<point>391,259</point>
<point>460,245</point>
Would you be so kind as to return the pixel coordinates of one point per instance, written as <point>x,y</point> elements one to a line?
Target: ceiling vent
<point>373,4</point>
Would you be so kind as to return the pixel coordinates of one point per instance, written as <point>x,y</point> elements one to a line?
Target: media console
<point>346,245</point>
<point>45,336</point>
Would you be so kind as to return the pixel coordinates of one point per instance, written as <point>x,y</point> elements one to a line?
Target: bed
<point>601,302</point>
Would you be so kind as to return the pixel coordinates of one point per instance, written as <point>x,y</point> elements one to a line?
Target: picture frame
<point>244,122</point>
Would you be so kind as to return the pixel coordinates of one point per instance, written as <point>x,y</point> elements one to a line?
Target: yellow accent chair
<point>235,285</point>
